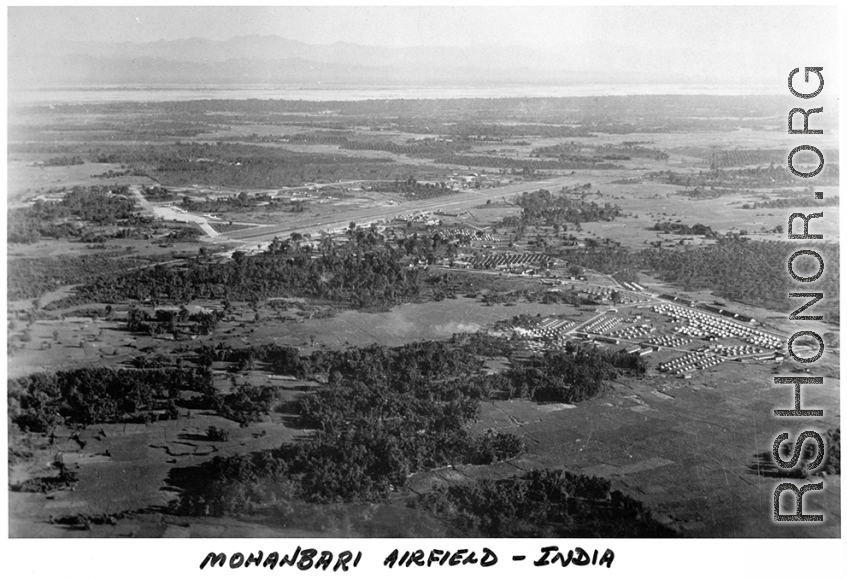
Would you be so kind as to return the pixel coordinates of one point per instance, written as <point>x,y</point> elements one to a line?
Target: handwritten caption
<point>306,559</point>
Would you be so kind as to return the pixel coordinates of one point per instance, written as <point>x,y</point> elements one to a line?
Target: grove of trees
<point>541,503</point>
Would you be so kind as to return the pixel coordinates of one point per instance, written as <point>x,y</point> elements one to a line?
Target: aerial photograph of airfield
<point>341,314</point>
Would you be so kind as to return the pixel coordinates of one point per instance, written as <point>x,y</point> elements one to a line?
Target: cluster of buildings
<point>684,364</point>
<point>474,181</point>
<point>464,236</point>
<point>645,337</point>
<point>511,260</point>
<point>633,332</point>
<point>551,329</point>
<point>425,218</point>
<point>632,286</point>
<point>602,325</point>
<point>737,351</point>
<point>709,327</point>
<point>669,341</point>
<point>641,350</point>
<point>620,296</point>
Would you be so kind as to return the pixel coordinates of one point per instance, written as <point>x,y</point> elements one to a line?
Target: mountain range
<point>276,60</point>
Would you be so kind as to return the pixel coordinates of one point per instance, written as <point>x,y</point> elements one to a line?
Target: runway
<point>458,201</point>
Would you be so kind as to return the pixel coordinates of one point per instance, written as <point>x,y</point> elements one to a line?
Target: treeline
<point>63,161</point>
<point>191,233</point>
<point>710,192</point>
<point>435,359</point>
<point>176,322</point>
<point>493,131</point>
<point>626,151</point>
<point>758,177</point>
<point>739,269</point>
<point>86,396</point>
<point>683,229</point>
<point>156,193</point>
<point>502,131</point>
<point>742,157</point>
<point>98,205</point>
<point>29,278</point>
<point>541,503</point>
<point>422,148</point>
<point>112,174</point>
<point>384,415</point>
<point>412,188</point>
<point>82,397</point>
<point>572,375</point>
<point>521,164</point>
<point>367,271</point>
<point>544,208</point>
<point>591,153</point>
<point>793,202</point>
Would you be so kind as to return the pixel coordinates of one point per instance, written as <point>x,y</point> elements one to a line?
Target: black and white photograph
<point>437,272</point>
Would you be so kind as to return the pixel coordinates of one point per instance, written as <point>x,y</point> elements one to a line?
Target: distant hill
<point>271,59</point>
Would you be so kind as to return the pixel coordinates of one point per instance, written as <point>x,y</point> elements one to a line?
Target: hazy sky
<point>712,42</point>
<point>747,28</point>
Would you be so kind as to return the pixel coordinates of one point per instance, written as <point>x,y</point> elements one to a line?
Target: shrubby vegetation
<point>548,503</point>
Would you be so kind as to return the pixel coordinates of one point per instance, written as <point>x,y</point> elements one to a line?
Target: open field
<point>677,445</point>
<point>25,179</point>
